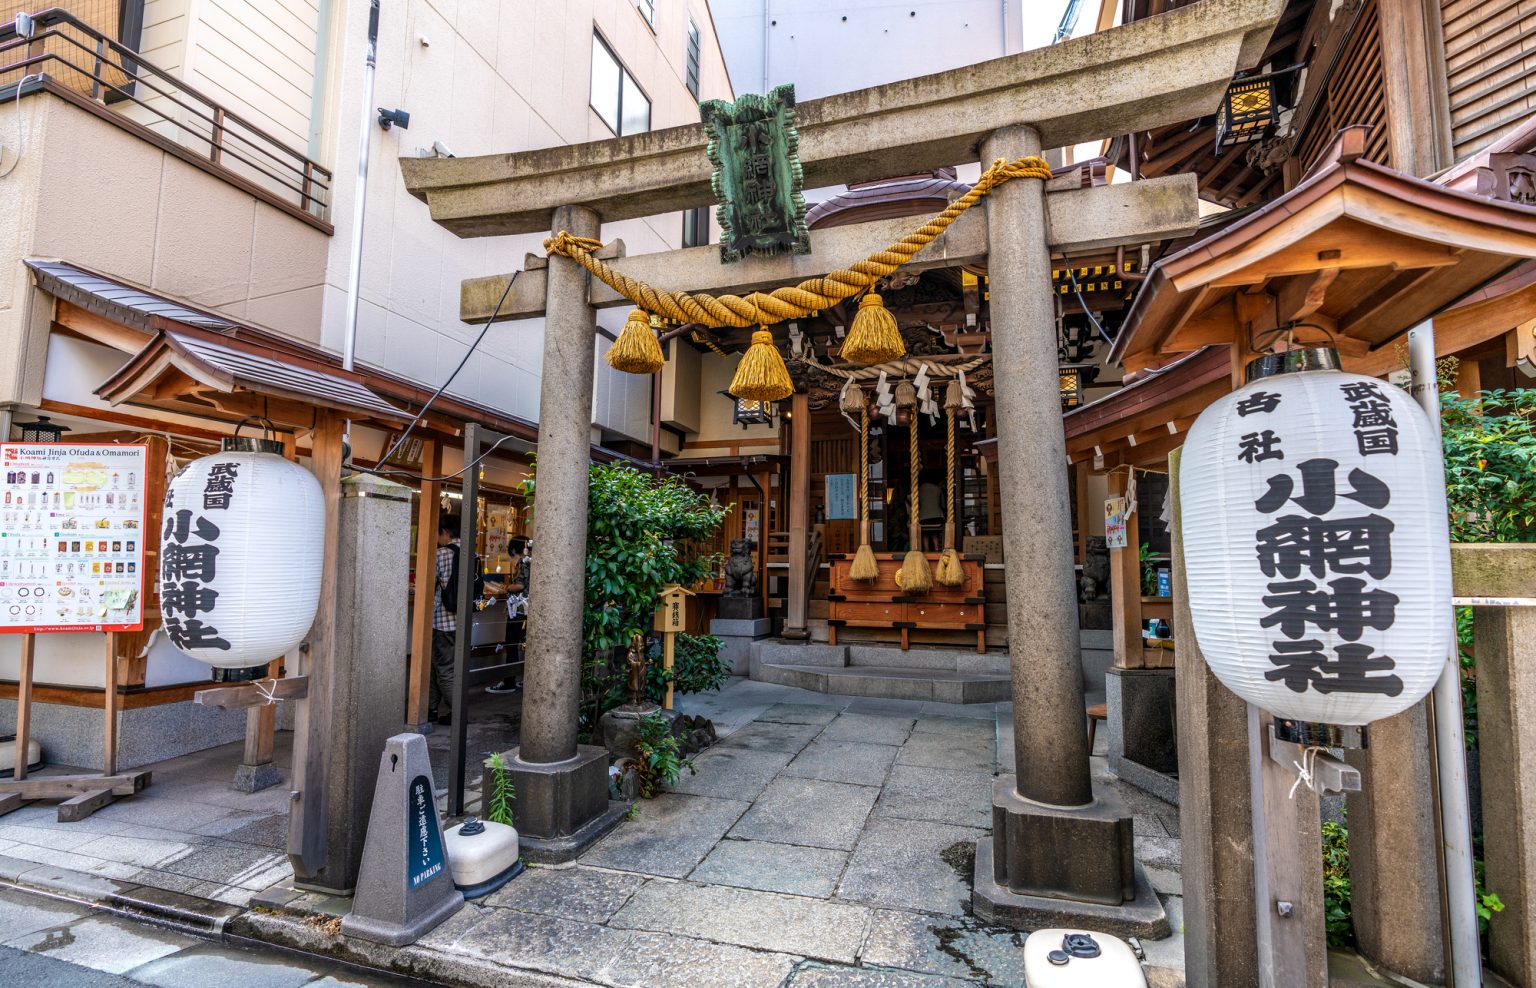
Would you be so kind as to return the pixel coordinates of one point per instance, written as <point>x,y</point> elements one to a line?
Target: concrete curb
<point>205,917</point>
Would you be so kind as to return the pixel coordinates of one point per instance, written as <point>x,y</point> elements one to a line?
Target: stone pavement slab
<point>542,943</point>
<point>809,812</point>
<point>901,864</point>
<point>950,946</point>
<point>871,728</point>
<point>918,793</point>
<point>103,943</point>
<point>680,813</point>
<point>768,736</point>
<point>949,752</point>
<point>764,920</point>
<point>811,871</point>
<point>979,728</point>
<point>22,913</point>
<point>800,713</point>
<point>732,772</point>
<point>649,852</point>
<point>660,960</point>
<point>844,761</point>
<point>818,976</point>
<point>587,895</point>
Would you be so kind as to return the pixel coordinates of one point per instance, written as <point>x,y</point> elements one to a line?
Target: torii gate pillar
<point>562,787</point>
<point>1060,853</point>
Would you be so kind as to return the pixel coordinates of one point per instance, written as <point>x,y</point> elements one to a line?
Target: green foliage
<point>1490,465</point>
<point>696,667</point>
<point>639,532</point>
<point>1336,888</point>
<point>502,793</point>
<point>1468,676</point>
<point>661,761</point>
<point>1148,570</point>
<point>1488,902</point>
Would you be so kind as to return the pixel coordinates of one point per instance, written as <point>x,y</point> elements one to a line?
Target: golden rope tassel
<point>761,375</point>
<point>950,572</point>
<point>914,574</point>
<point>636,351</point>
<point>864,566</point>
<point>874,337</point>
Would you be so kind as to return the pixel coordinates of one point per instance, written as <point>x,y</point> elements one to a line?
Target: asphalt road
<point>21,967</point>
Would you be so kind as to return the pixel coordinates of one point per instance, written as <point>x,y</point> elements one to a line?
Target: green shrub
<point>500,794</point>
<point>1336,888</point>
<point>697,667</point>
<point>661,761</point>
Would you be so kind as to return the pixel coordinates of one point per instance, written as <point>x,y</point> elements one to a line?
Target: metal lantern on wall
<point>750,411</point>
<point>1317,547</point>
<point>41,431</point>
<point>240,557</point>
<point>1247,113</point>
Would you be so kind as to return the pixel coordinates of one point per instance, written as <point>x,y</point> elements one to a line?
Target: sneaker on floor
<point>502,686</point>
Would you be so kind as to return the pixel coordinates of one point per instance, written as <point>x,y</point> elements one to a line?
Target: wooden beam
<point>109,709</point>
<point>1125,584</point>
<point>307,816</point>
<point>79,807</point>
<point>10,801</point>
<point>24,704</point>
<point>428,507</point>
<point>98,329</point>
<point>69,786</point>
<point>256,694</point>
<point>799,513</point>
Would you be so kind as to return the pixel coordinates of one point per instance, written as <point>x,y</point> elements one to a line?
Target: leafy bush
<point>661,761</point>
<point>1336,887</point>
<point>697,667</point>
<point>1490,465</point>
<point>640,533</point>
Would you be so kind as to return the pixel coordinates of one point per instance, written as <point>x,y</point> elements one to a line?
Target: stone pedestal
<point>1049,866</point>
<point>562,807</point>
<point>1142,747</point>
<point>369,671</point>
<point>739,622</point>
<point>621,726</point>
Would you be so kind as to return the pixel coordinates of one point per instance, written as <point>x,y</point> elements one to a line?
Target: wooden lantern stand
<point>671,617</point>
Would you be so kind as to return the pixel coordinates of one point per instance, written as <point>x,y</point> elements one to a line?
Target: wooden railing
<point>69,58</point>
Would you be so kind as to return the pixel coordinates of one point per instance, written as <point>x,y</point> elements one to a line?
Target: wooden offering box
<point>880,603</point>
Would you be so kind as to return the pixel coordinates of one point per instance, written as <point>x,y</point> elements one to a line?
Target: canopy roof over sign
<point>1357,249</point>
<point>1147,74</point>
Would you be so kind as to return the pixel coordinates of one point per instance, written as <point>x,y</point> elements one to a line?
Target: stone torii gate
<point>1060,852</point>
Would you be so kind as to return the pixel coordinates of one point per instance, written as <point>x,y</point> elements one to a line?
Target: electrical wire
<point>435,395</point>
<point>21,130</point>
<point>1084,303</point>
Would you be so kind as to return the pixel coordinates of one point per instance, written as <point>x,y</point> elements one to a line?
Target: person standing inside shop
<point>517,605</point>
<point>444,623</point>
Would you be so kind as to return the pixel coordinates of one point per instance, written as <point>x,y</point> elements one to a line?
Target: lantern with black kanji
<point>1317,546</point>
<point>240,557</point>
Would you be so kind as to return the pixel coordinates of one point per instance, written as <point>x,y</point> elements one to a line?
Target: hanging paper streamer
<point>885,399</point>
<point>925,401</point>
<point>967,399</point>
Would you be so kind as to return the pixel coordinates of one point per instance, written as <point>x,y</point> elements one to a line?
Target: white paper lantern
<point>240,555</point>
<point>1316,546</point>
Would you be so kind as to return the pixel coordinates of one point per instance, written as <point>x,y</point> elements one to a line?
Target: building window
<point>696,226</point>
<point>693,58</point>
<point>616,96</point>
<point>647,10</point>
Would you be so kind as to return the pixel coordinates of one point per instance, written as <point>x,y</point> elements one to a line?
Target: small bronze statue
<point>740,574</point>
<point>636,661</point>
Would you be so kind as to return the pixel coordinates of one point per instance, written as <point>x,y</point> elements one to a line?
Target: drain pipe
<point>1450,755</point>
<point>360,194</point>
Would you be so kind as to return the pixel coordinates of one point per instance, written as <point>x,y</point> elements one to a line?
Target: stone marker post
<point>562,787</point>
<point>405,887</point>
<point>1058,855</point>
<point>368,673</point>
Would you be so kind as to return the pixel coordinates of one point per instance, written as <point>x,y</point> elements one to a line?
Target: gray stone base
<point>743,628</point>
<point>145,735</point>
<point>558,850</point>
<point>1082,853</point>
<point>255,778</point>
<point>1142,916</point>
<point>1140,706</point>
<point>620,727</point>
<point>1159,784</point>
<point>557,802</point>
<point>739,608</point>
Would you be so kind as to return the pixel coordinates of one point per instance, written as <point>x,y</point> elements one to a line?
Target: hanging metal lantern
<point>1247,114</point>
<point>240,556</point>
<point>41,431</point>
<point>1317,547</point>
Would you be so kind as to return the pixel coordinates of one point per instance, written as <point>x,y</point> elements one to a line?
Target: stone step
<point>889,682</point>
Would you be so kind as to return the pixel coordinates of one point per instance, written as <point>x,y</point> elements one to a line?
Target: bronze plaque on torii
<point>755,153</point>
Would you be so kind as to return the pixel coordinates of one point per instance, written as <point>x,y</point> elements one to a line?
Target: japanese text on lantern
<point>189,563</point>
<point>1327,560</point>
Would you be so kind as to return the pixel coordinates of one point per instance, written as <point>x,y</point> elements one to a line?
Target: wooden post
<point>24,704</point>
<point>1125,583</point>
<point>428,510</point>
<point>668,655</point>
<point>261,721</point>
<point>799,515</point>
<point>109,709</point>
<point>1080,479</point>
<point>307,816</point>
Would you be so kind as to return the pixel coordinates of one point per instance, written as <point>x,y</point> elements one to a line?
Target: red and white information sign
<point>72,537</point>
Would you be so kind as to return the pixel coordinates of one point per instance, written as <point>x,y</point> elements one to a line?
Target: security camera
<point>441,150</point>
<point>389,118</point>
